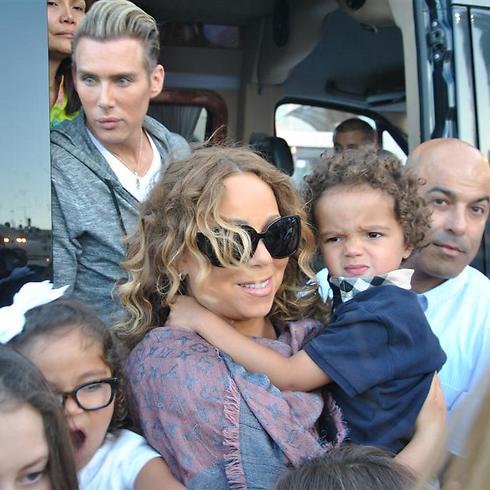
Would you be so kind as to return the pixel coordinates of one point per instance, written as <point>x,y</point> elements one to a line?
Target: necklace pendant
<point>137,183</point>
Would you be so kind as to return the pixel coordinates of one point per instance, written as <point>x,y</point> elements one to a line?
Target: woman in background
<point>63,19</point>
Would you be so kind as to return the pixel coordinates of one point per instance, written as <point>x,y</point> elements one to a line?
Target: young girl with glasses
<point>80,359</point>
<point>35,449</point>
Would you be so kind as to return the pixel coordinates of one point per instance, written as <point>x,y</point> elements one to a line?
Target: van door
<point>25,196</point>
<point>453,46</point>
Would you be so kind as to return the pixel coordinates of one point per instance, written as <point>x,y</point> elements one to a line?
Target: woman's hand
<point>427,447</point>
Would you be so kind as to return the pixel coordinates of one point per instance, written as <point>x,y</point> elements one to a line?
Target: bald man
<point>456,184</point>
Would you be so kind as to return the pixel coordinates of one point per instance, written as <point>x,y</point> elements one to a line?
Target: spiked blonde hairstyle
<point>115,19</point>
<point>186,201</point>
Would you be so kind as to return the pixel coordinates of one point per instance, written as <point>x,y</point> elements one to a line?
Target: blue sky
<point>24,113</point>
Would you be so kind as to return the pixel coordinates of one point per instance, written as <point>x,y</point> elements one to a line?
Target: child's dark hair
<point>381,171</point>
<point>22,383</point>
<point>349,467</point>
<point>68,314</point>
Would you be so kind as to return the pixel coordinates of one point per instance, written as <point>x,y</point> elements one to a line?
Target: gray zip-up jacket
<point>93,212</point>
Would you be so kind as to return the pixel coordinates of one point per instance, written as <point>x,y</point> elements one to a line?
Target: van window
<point>309,131</point>
<point>480,32</point>
<point>188,121</point>
<point>25,202</point>
<point>197,115</point>
<point>200,35</point>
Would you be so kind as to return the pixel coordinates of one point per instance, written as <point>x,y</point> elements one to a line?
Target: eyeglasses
<point>93,395</point>
<point>281,238</point>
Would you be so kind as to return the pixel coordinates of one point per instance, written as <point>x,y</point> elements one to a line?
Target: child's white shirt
<point>117,463</point>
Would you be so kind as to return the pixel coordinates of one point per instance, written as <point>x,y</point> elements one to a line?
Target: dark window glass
<point>199,35</point>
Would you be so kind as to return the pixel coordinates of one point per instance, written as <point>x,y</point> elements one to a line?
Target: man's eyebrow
<point>128,74</point>
<point>451,194</point>
<point>125,74</point>
<point>81,72</point>
<point>481,199</point>
<point>443,190</point>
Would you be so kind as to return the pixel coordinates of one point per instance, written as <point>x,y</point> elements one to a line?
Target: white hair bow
<point>30,295</point>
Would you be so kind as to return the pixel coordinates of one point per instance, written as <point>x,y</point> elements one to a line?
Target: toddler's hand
<point>188,314</point>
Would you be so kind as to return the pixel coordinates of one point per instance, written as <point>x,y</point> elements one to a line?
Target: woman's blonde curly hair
<point>186,201</point>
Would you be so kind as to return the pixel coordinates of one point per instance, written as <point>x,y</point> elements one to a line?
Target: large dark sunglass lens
<point>283,236</point>
<point>205,247</point>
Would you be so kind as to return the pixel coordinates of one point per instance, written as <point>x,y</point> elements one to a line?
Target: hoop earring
<point>181,276</point>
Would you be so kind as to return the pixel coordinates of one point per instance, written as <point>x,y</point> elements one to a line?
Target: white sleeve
<point>135,453</point>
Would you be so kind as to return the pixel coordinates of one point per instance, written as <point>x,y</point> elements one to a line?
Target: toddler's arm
<point>297,373</point>
<point>154,475</point>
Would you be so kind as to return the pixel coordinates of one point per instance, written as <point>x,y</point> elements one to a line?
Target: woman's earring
<point>181,276</point>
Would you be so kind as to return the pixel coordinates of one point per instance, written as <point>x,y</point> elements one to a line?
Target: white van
<point>255,69</point>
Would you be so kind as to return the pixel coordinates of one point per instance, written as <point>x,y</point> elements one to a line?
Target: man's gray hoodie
<point>93,213</point>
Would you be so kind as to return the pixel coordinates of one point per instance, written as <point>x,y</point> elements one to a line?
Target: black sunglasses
<point>281,238</point>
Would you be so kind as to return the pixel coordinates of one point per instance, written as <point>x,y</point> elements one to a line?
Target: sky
<point>24,114</point>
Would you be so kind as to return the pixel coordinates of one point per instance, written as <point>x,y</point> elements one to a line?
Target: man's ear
<point>156,80</point>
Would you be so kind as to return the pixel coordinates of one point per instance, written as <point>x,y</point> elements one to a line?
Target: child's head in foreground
<point>349,467</point>
<point>366,213</point>
<point>80,358</point>
<point>35,449</point>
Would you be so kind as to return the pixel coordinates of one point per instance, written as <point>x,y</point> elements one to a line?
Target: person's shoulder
<point>67,129</point>
<point>383,305</point>
<point>171,344</point>
<point>127,440</point>
<point>478,279</point>
<point>167,334</point>
<point>385,296</point>
<point>118,461</point>
<point>170,357</point>
<point>69,142</point>
<point>174,143</point>
<point>470,287</point>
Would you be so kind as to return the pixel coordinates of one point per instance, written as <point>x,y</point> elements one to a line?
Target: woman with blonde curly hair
<point>378,354</point>
<point>227,228</point>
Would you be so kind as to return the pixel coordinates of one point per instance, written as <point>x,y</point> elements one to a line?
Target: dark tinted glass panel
<point>197,34</point>
<point>25,201</point>
<point>189,121</point>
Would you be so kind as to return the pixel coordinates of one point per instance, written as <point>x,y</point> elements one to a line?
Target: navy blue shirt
<point>381,354</point>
